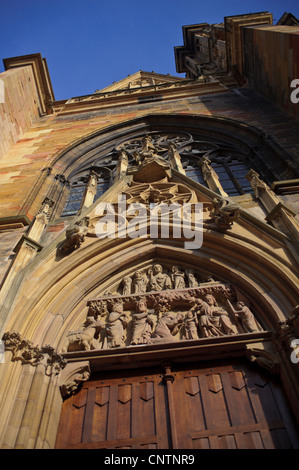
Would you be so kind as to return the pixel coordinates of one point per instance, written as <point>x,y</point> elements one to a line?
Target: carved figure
<point>178,278</point>
<point>191,326</point>
<point>139,283</point>
<point>142,324</point>
<point>213,320</point>
<point>127,283</point>
<point>116,322</point>
<point>159,280</point>
<point>71,386</point>
<point>192,281</point>
<point>166,327</point>
<point>75,235</point>
<point>225,212</point>
<point>85,339</point>
<point>246,317</point>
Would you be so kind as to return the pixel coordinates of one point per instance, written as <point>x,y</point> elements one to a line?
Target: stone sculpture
<point>84,339</point>
<point>75,235</point>
<point>142,324</point>
<point>115,324</point>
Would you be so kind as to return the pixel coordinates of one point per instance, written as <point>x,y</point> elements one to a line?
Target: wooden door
<point>234,407</point>
<point>220,406</point>
<point>120,411</point>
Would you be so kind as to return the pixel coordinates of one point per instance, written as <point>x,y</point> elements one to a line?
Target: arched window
<point>232,172</point>
<point>78,189</point>
<point>74,200</point>
<point>193,170</point>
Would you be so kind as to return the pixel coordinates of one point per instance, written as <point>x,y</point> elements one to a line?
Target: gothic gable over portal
<point>141,79</point>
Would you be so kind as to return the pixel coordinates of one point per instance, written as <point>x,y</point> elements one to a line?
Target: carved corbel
<point>72,377</point>
<point>288,331</point>
<point>265,356</point>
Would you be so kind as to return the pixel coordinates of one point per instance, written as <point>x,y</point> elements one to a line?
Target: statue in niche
<point>157,279</point>
<point>115,324</point>
<point>142,324</point>
<point>126,285</point>
<point>86,338</point>
<point>213,320</point>
<point>178,278</point>
<point>191,324</point>
<point>245,316</point>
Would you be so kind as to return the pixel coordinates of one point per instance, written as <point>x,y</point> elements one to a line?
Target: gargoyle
<point>225,212</point>
<point>74,236</point>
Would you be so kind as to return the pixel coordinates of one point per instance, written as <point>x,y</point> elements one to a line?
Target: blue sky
<point>89,44</point>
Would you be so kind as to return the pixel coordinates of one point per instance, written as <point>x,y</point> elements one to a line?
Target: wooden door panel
<point>125,412</point>
<point>232,408</point>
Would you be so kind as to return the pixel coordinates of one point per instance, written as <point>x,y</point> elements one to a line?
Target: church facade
<point>149,250</point>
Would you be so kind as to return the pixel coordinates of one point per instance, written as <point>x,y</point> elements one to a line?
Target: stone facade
<point>73,302</point>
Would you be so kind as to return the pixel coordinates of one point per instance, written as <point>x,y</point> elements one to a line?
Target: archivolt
<point>248,139</point>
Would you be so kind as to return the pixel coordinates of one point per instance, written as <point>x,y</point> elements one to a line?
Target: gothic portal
<point>149,253</point>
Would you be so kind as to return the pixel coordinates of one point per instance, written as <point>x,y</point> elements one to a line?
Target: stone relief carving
<point>85,338</point>
<point>162,304</point>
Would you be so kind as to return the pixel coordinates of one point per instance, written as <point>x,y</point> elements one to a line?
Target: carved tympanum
<point>162,304</point>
